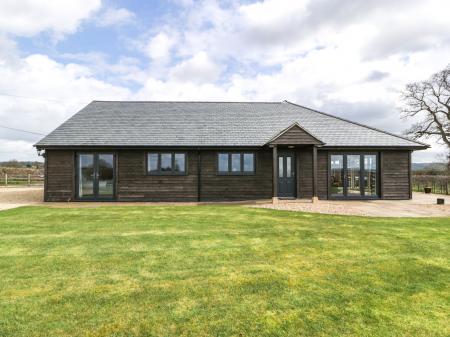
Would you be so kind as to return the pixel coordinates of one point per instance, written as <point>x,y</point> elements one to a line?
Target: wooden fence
<point>438,184</point>
<point>16,179</point>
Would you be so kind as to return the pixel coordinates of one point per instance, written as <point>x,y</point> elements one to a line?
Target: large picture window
<point>353,175</point>
<point>236,163</point>
<point>166,163</point>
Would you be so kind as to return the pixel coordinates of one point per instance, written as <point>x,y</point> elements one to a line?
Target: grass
<point>220,271</point>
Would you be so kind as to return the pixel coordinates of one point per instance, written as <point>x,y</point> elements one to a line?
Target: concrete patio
<point>422,205</point>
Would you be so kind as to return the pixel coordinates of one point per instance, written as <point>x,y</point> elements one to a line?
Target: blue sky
<point>343,57</point>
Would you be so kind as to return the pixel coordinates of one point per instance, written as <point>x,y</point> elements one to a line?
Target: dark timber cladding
<point>314,169</point>
<point>215,187</point>
<point>295,135</point>
<point>134,184</point>
<point>305,173</point>
<point>60,175</point>
<point>274,171</point>
<point>395,171</point>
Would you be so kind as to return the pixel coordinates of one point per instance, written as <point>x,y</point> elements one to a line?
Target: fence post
<point>6,179</point>
<point>29,179</point>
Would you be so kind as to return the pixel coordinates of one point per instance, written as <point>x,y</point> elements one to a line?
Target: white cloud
<point>184,3</point>
<point>115,16</point>
<point>56,92</point>
<point>36,16</point>
<point>124,71</point>
<point>17,149</point>
<point>154,89</point>
<point>340,56</point>
<point>159,47</point>
<point>344,57</point>
<point>198,69</point>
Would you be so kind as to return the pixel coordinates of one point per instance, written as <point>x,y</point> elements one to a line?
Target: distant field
<point>220,271</point>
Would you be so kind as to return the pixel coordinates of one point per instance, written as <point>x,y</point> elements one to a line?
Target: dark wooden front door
<point>95,176</point>
<point>286,174</point>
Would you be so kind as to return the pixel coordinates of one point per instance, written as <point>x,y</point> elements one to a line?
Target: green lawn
<point>220,271</point>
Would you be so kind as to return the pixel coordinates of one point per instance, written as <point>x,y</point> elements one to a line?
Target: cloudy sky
<point>348,58</point>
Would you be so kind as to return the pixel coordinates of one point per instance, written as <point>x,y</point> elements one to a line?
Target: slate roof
<point>116,123</point>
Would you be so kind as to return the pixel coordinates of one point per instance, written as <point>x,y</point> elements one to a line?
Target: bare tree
<point>429,103</point>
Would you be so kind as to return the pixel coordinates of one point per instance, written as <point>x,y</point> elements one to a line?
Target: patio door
<point>353,175</point>
<point>286,174</point>
<point>95,176</point>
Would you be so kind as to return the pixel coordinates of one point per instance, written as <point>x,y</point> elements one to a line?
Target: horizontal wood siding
<point>215,187</point>
<point>133,182</point>
<point>305,173</point>
<point>395,170</point>
<point>59,175</point>
<point>322,174</point>
<point>295,135</point>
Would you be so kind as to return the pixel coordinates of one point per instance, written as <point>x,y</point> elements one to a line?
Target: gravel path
<point>319,207</point>
<point>422,205</point>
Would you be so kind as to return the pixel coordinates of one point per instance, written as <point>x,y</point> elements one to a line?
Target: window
<point>280,167</point>
<point>166,163</point>
<point>180,163</point>
<point>288,167</point>
<point>249,162</point>
<point>370,175</point>
<point>337,175</point>
<point>223,162</point>
<point>237,163</point>
<point>152,162</point>
<point>353,175</point>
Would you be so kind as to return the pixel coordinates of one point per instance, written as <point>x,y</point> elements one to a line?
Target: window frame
<point>361,155</point>
<point>166,173</point>
<point>241,172</point>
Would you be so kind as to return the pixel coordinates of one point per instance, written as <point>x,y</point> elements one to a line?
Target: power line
<point>20,130</point>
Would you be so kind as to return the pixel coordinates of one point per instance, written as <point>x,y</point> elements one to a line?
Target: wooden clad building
<point>221,151</point>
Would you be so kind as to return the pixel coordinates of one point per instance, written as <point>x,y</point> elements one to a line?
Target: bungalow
<point>217,151</point>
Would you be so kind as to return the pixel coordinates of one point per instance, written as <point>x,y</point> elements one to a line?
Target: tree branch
<point>430,100</point>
